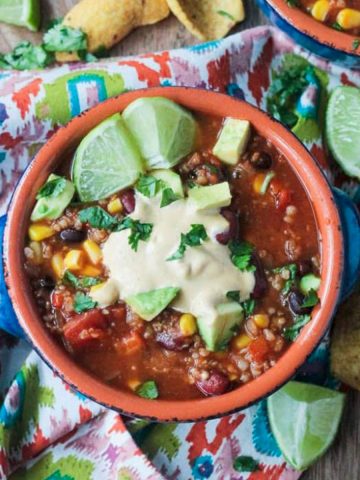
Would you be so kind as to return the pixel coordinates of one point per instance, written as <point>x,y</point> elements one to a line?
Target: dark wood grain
<point>342,461</point>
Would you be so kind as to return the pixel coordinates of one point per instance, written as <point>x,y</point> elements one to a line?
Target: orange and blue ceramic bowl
<point>336,220</point>
<point>334,45</point>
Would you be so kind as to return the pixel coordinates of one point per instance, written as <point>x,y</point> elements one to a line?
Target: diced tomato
<point>258,349</point>
<point>130,344</point>
<point>85,328</point>
<point>117,313</point>
<point>57,300</point>
<point>281,195</point>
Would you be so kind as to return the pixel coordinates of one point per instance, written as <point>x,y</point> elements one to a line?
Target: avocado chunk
<point>212,196</point>
<point>149,304</point>
<point>218,331</point>
<point>57,194</point>
<point>232,141</point>
<point>309,282</point>
<point>171,179</point>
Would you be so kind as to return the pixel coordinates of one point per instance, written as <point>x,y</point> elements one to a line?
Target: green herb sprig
<point>196,235</point>
<point>241,255</point>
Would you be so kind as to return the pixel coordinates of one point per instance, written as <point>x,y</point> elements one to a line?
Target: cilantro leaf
<point>149,185</point>
<point>26,56</point>
<point>233,295</point>
<point>311,299</point>
<point>247,305</point>
<point>148,390</point>
<point>168,196</point>
<point>291,333</point>
<point>138,231</point>
<point>195,236</point>
<point>53,188</point>
<point>245,464</point>
<point>80,282</point>
<point>83,302</point>
<point>61,38</point>
<point>241,255</point>
<point>356,44</point>
<point>223,13</point>
<point>97,217</point>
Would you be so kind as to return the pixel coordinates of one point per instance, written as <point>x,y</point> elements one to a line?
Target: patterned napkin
<point>47,431</point>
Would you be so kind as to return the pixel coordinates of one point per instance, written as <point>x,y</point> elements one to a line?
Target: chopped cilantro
<point>247,305</point>
<point>337,26</point>
<point>53,188</point>
<point>356,44</point>
<point>291,281</point>
<point>149,186</point>
<point>245,464</point>
<point>311,299</point>
<point>226,14</point>
<point>168,196</point>
<point>61,38</point>
<point>148,390</point>
<point>138,231</point>
<point>233,295</point>
<point>193,238</point>
<point>97,217</point>
<point>80,282</point>
<point>292,3</point>
<point>26,56</point>
<point>83,302</point>
<point>291,333</point>
<point>241,255</point>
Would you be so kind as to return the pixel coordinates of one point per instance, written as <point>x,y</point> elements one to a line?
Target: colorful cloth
<point>47,431</point>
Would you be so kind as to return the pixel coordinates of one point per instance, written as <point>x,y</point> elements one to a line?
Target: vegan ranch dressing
<point>204,274</point>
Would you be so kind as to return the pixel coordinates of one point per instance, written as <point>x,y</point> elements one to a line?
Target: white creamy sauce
<point>204,274</point>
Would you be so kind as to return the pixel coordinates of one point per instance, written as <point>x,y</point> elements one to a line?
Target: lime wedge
<point>164,131</point>
<point>24,13</point>
<point>304,419</point>
<point>106,161</point>
<point>343,128</point>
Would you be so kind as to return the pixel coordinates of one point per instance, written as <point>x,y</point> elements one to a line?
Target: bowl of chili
<point>282,225</point>
<point>329,28</point>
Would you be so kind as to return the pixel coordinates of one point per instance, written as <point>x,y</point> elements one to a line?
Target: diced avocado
<point>51,206</point>
<point>212,196</point>
<point>149,304</point>
<point>217,332</point>
<point>309,282</point>
<point>171,179</point>
<point>232,141</point>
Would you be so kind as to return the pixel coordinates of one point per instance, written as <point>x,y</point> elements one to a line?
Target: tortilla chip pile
<point>106,22</point>
<point>345,343</point>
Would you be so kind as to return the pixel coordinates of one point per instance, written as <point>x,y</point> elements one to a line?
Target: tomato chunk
<point>281,195</point>
<point>130,344</point>
<point>258,349</point>
<point>57,300</point>
<point>85,328</point>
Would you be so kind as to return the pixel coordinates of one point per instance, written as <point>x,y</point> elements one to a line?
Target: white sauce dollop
<point>204,274</point>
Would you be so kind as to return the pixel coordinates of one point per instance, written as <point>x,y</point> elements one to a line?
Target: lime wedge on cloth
<point>164,131</point>
<point>106,161</point>
<point>304,419</point>
<point>24,13</point>
<point>343,128</point>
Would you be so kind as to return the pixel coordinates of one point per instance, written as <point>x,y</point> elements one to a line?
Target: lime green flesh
<point>171,179</point>
<point>164,131</point>
<point>343,128</point>
<point>24,13</point>
<point>106,161</point>
<point>149,304</point>
<point>304,419</point>
<point>212,196</point>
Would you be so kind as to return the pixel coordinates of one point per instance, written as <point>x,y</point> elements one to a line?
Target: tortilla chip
<point>345,342</point>
<point>208,19</point>
<point>106,22</point>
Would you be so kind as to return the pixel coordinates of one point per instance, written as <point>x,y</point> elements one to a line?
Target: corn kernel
<point>258,182</point>
<point>348,18</point>
<point>93,251</point>
<point>133,384</point>
<point>57,264</point>
<point>261,320</point>
<point>38,232</point>
<point>115,206</point>
<point>74,260</point>
<point>37,249</point>
<point>90,271</point>
<point>320,10</point>
<point>188,324</point>
<point>241,341</point>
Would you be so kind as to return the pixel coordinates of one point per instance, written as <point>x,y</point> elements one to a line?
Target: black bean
<point>233,230</point>
<point>261,283</point>
<point>72,236</point>
<point>305,267</point>
<point>216,384</point>
<point>295,300</point>
<point>261,160</point>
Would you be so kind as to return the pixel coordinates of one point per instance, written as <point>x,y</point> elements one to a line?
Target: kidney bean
<point>216,384</point>
<point>172,341</point>
<point>233,230</point>
<point>261,160</point>
<point>73,236</point>
<point>260,278</point>
<point>128,201</point>
<point>295,300</point>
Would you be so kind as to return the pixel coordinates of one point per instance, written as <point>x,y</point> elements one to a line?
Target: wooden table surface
<point>342,461</point>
